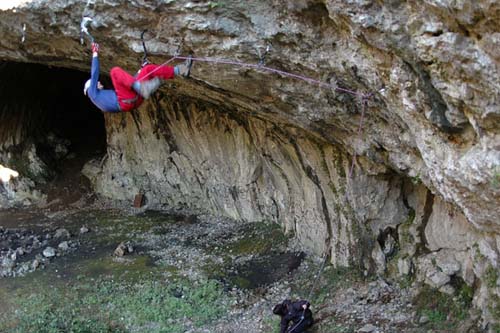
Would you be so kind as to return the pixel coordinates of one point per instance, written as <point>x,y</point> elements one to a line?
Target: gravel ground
<point>272,267</point>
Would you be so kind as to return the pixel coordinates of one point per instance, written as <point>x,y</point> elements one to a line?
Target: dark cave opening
<point>45,107</point>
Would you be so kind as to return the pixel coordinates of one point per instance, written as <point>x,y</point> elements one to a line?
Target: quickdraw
<point>262,57</point>
<point>145,59</point>
<point>84,30</point>
<point>23,37</point>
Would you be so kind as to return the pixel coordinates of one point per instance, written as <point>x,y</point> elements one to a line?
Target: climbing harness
<point>131,100</point>
<point>84,30</point>
<point>145,59</point>
<point>298,323</point>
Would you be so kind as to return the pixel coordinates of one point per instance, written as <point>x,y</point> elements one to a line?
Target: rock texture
<point>254,145</point>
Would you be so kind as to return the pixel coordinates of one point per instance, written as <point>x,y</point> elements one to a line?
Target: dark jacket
<point>294,319</point>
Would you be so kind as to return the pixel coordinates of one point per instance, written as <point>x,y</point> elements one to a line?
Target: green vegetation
<point>257,238</point>
<point>330,280</point>
<point>416,180</point>
<point>494,306</point>
<point>491,277</point>
<point>112,227</point>
<point>339,328</point>
<point>444,312</point>
<point>131,270</point>
<point>478,256</point>
<point>465,295</point>
<point>405,237</point>
<point>495,181</point>
<point>105,305</point>
<point>215,4</point>
<point>271,324</point>
<point>101,293</point>
<point>406,281</point>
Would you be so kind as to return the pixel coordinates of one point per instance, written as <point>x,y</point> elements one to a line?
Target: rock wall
<point>431,65</point>
<point>423,197</point>
<point>192,154</point>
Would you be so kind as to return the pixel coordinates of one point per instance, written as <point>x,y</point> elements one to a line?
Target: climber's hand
<point>95,48</point>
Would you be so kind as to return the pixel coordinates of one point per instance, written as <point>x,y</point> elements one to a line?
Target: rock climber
<point>298,313</point>
<point>130,91</point>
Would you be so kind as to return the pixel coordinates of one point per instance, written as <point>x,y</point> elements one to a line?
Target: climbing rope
<point>364,102</point>
<point>259,66</point>
<point>325,258</point>
<point>363,97</point>
<point>298,323</point>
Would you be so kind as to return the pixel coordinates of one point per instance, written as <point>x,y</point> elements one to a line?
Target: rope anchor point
<point>84,30</point>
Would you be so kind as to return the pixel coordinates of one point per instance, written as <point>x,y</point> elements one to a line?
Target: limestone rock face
<point>432,67</point>
<point>185,155</point>
<point>416,162</point>
<point>448,229</point>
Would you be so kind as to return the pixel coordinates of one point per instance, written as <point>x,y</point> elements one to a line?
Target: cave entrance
<point>45,107</point>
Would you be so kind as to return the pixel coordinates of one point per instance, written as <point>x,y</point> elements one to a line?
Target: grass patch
<point>416,180</point>
<point>444,311</point>
<point>494,306</point>
<point>108,306</point>
<point>406,281</point>
<point>405,236</point>
<point>133,268</point>
<point>495,180</point>
<point>330,280</point>
<point>215,4</point>
<point>258,238</point>
<point>491,277</point>
<point>271,323</point>
<point>341,277</point>
<point>110,227</point>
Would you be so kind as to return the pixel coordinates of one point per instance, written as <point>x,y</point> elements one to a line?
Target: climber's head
<point>87,86</point>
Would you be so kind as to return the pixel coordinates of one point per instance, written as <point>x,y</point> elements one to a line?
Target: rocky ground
<point>23,251</point>
<point>253,266</point>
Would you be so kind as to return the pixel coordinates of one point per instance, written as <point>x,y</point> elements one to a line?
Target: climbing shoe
<point>185,68</point>
<point>146,88</point>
